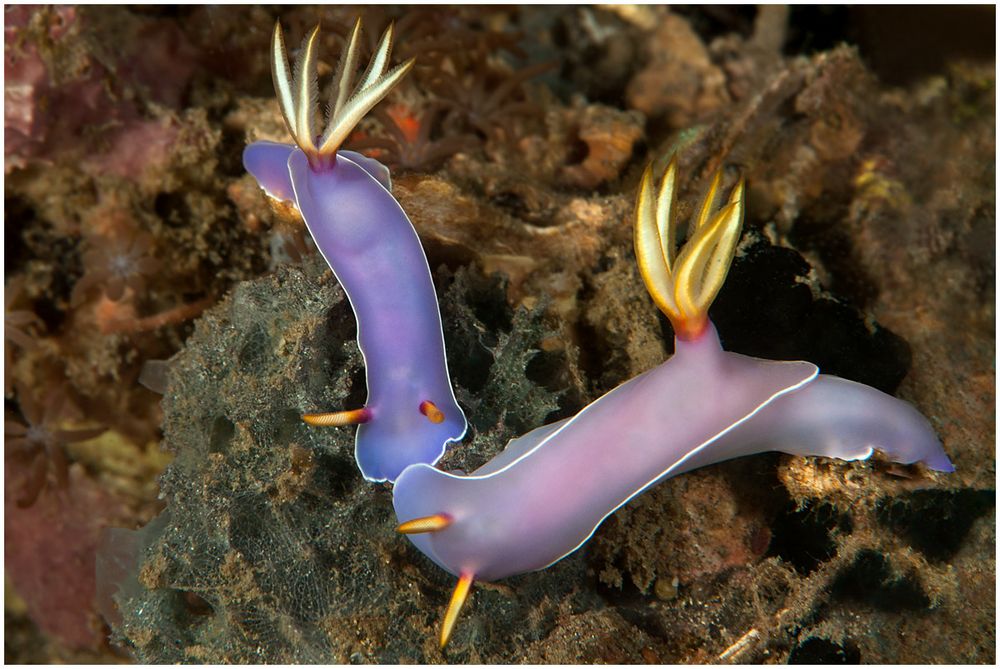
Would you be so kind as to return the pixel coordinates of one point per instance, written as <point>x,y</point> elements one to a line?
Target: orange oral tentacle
<point>338,418</point>
<point>455,606</point>
<point>435,523</point>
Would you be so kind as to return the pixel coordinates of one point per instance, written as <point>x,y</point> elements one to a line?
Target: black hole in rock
<point>230,152</point>
<point>469,365</point>
<point>487,297</point>
<point>647,620</point>
<point>803,537</point>
<point>336,474</point>
<point>289,426</point>
<point>869,580</point>
<point>18,215</point>
<point>627,594</point>
<point>188,609</point>
<point>570,404</point>
<point>357,393</point>
<point>222,435</point>
<point>42,242</point>
<point>840,257</point>
<point>446,255</point>
<point>577,152</point>
<point>936,522</point>
<point>195,605</point>
<point>550,370</point>
<point>254,348</point>
<point>815,650</point>
<point>604,263</point>
<point>341,324</point>
<point>547,369</point>
<point>594,354</point>
<point>765,310</point>
<point>468,340</point>
<point>172,209</point>
<point>511,202</point>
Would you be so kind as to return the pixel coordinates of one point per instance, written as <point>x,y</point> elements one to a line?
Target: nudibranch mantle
<point>366,238</point>
<point>548,491</point>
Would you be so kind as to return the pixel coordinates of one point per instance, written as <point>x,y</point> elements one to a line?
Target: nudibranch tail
<point>338,418</point>
<point>458,598</point>
<point>683,284</point>
<point>298,94</point>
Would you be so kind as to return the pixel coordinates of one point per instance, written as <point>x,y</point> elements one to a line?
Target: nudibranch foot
<point>458,598</point>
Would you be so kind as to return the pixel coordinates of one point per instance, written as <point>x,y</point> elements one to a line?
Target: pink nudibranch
<point>548,491</point>
<point>366,238</point>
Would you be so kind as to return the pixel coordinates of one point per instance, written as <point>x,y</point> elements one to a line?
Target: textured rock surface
<point>869,249</point>
<point>274,548</point>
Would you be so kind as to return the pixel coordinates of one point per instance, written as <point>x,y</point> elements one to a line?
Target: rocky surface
<point>868,249</point>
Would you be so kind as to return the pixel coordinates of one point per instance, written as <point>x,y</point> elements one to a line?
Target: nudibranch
<point>548,491</point>
<point>411,414</point>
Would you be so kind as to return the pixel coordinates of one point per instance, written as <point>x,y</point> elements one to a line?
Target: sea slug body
<point>411,413</point>
<point>547,492</point>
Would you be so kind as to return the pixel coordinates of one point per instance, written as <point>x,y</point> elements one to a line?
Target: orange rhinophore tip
<point>430,410</point>
<point>455,606</point>
<point>338,418</point>
<point>434,523</point>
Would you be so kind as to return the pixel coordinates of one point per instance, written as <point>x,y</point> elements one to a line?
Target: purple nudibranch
<point>548,491</point>
<point>411,414</point>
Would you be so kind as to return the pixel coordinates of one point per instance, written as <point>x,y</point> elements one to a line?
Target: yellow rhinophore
<point>298,94</point>
<point>684,282</point>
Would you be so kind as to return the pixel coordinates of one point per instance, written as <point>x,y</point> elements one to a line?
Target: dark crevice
<point>765,309</point>
<point>222,435</point>
<point>804,536</point>
<point>936,522</point>
<point>870,581</point>
<point>173,209</point>
<point>335,475</point>
<point>816,650</point>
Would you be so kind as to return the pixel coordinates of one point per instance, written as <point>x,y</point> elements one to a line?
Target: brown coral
<point>408,146</point>
<point>19,327</point>
<point>488,101</point>
<point>610,136</point>
<point>680,82</point>
<point>116,262</point>
<point>39,442</point>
